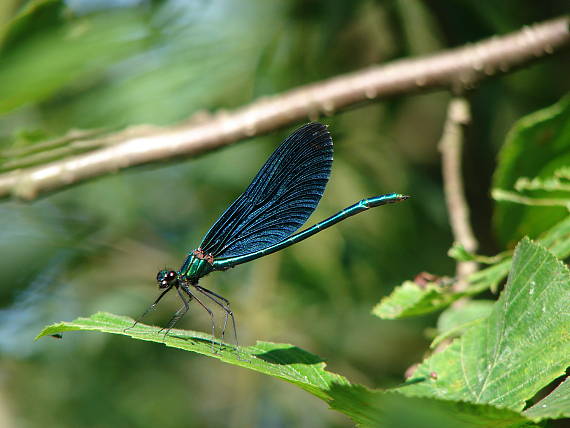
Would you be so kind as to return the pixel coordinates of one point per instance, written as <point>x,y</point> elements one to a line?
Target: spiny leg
<point>225,305</point>
<point>187,291</point>
<point>178,314</point>
<point>149,309</point>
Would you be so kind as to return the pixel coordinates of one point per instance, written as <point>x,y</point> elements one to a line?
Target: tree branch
<point>451,146</point>
<point>460,68</point>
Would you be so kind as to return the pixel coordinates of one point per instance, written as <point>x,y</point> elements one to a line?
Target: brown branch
<point>456,68</point>
<point>451,145</point>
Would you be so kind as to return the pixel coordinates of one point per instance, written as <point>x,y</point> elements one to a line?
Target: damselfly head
<point>166,278</point>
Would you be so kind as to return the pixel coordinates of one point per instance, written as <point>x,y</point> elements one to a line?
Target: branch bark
<point>451,147</point>
<point>458,69</point>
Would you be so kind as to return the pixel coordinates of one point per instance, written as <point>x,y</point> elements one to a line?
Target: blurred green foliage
<point>97,247</point>
<point>537,147</point>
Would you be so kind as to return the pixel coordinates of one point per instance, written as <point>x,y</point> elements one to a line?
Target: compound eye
<point>166,278</point>
<point>160,275</point>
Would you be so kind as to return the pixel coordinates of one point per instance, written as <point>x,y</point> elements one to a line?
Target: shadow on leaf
<point>292,355</point>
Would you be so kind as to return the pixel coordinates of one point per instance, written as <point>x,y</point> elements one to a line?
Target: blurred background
<point>108,64</point>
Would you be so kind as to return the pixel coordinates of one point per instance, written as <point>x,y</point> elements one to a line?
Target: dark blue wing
<point>279,200</point>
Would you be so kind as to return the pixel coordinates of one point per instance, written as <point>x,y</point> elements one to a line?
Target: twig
<point>456,68</point>
<point>451,145</point>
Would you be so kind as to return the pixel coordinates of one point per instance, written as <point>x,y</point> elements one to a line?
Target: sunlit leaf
<point>283,361</point>
<point>366,407</point>
<point>521,347</point>
<point>411,299</point>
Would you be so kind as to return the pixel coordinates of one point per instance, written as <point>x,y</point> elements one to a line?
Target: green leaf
<point>411,299</point>
<point>385,409</point>
<point>537,146</point>
<point>491,277</point>
<point>455,317</point>
<point>369,408</point>
<point>557,240</point>
<point>521,347</point>
<point>282,361</point>
<point>454,321</point>
<point>556,405</point>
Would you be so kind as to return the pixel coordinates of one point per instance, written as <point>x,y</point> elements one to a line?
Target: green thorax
<point>196,265</point>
